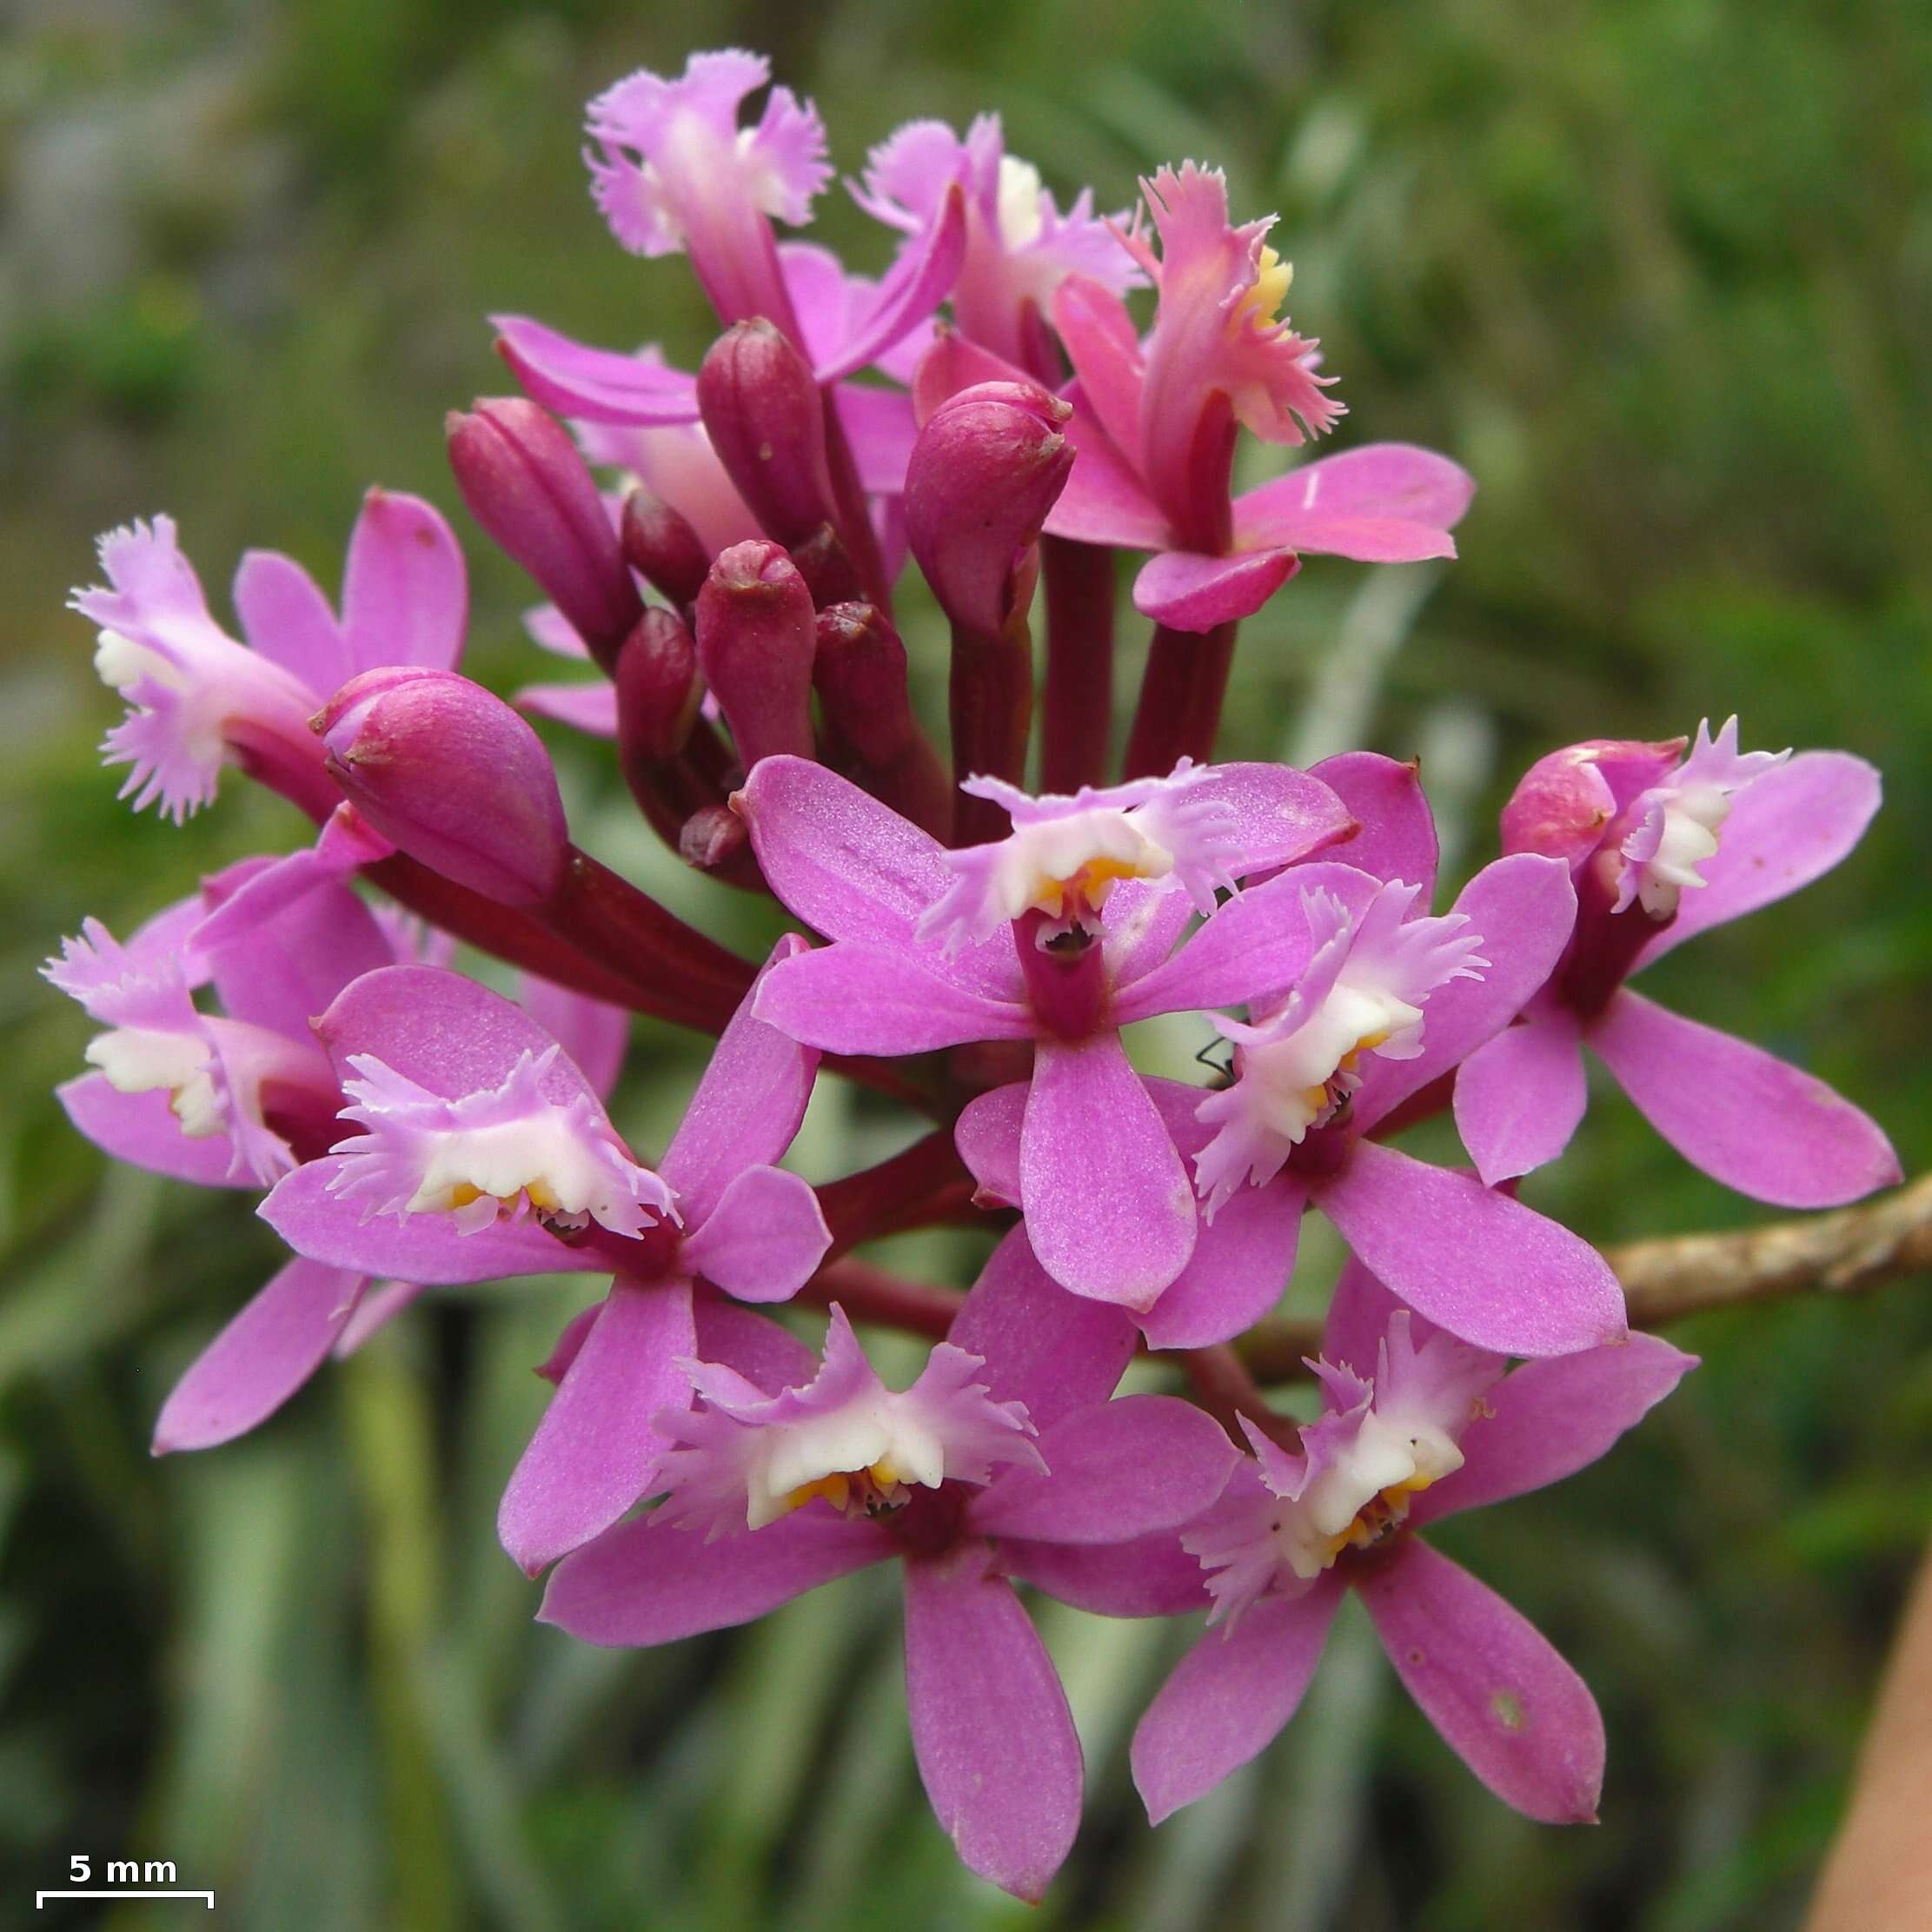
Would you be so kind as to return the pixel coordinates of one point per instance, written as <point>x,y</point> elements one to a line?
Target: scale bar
<point>121,1891</point>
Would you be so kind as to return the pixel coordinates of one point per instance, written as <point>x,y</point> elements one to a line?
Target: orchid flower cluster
<point>720,552</point>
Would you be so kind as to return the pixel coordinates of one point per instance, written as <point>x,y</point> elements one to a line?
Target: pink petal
<point>291,959</point>
<point>1486,1678</point>
<point>1114,1470</point>
<point>446,1033</point>
<point>991,1729</point>
<point>140,1129</point>
<point>1357,1320</point>
<point>762,1351</point>
<point>1104,348</point>
<point>261,1358</point>
<point>1523,907</point>
<point>748,1107</point>
<point>953,363</point>
<point>1103,501</point>
<point>599,385</point>
<point>1147,1577</point>
<point>424,1248</point>
<point>1396,839</point>
<point>378,1307</point>
<point>1481,1265</point>
<point>1789,826</point>
<point>1046,1348</point>
<point>1548,1419</point>
<point>1258,939</point>
<point>595,1033</point>
<point>911,291</point>
<point>851,868</point>
<point>987,1136</point>
<point>765,1237</point>
<point>1281,815</point>
<point>287,620</point>
<point>591,708</point>
<point>1741,1115</point>
<point>1389,503</point>
<point>880,429</point>
<point>597,1446</point>
<point>1229,1698</point>
<point>1239,1269</point>
<point>1520,1096</point>
<point>1188,591</point>
<point>858,998</point>
<point>405,594</point>
<point>1109,1207</point>
<point>1143,918</point>
<point>643,1583</point>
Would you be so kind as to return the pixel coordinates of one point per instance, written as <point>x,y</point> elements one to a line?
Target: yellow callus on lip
<point>877,1487</point>
<point>1262,303</point>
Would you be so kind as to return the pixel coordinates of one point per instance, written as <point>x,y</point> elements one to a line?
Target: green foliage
<point>1658,272</point>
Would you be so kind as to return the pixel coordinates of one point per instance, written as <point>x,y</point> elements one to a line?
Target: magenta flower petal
<point>1548,1419</point>
<point>1481,1265</point>
<point>426,1248</point>
<point>990,1728</point>
<point>597,385</point>
<point>1260,937</point>
<point>1115,1471</point>
<point>287,620</point>
<point>1388,502</point>
<point>1110,1208</point>
<point>595,1034</point>
<point>1187,590</point>
<point>597,1447</point>
<point>1240,1268</point>
<point>849,866</point>
<point>1788,826</point>
<point>591,708</point>
<point>1744,1116</point>
<point>852,998</point>
<point>764,1239</point>
<point>1520,1096</point>
<point>1280,814</point>
<point>405,593</point>
<point>1522,910</point>
<point>914,287</point>
<point>1504,1702</point>
<point>1052,1351</point>
<point>1104,347</point>
<point>748,1107</point>
<point>1229,1698</point>
<point>1105,500</point>
<point>1357,1320</point>
<point>987,1136</point>
<point>1149,1576</point>
<point>141,1128</point>
<point>765,1352</point>
<point>1396,839</point>
<point>879,426</point>
<point>379,1306</point>
<point>261,1358</point>
<point>646,1583</point>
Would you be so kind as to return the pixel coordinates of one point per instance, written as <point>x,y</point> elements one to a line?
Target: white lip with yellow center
<point>139,1059</point>
<point>1067,868</point>
<point>541,1159</point>
<point>860,1456</point>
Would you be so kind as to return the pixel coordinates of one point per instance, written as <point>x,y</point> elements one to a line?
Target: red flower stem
<point>870,1294</point>
<point>922,1183</point>
<point>1179,711</point>
<point>1078,706</point>
<point>1223,1387</point>
<point>991,702</point>
<point>855,515</point>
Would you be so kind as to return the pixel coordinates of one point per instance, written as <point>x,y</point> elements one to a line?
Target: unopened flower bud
<point>861,676</point>
<point>766,419</point>
<point>988,466</point>
<point>658,690</point>
<point>757,637</point>
<point>1566,801</point>
<point>661,545</point>
<point>453,776</point>
<point>527,484</point>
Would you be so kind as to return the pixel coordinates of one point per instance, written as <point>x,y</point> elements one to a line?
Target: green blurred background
<point>1659,272</point>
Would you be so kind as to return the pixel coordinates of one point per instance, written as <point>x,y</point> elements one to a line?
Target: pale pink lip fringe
<point>720,552</point>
